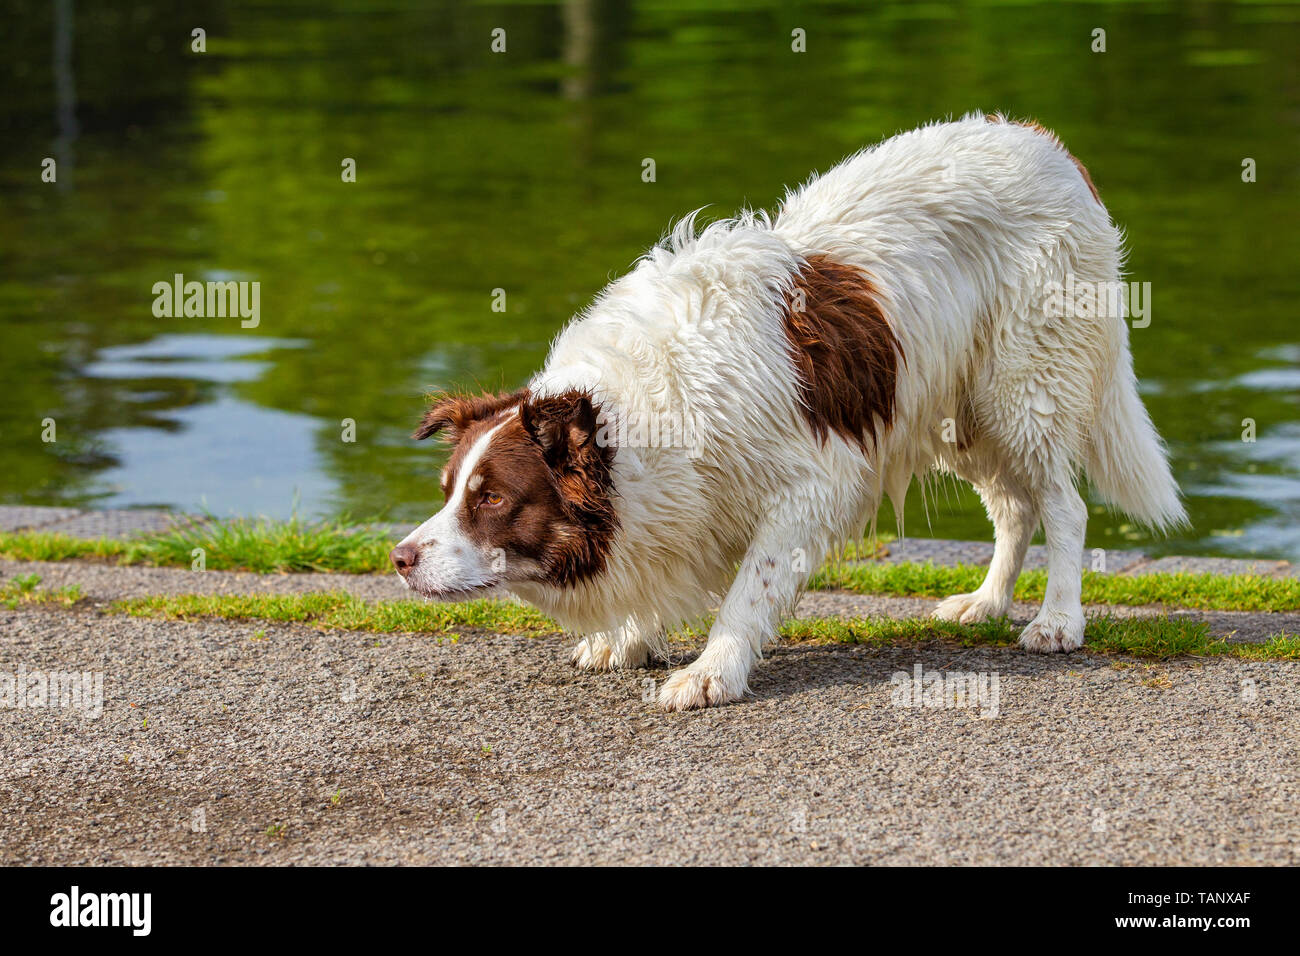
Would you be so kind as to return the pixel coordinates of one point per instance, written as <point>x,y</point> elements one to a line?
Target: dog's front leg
<point>769,581</point>
<point>631,645</point>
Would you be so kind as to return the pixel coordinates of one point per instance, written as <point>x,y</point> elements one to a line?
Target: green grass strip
<point>336,610</point>
<point>277,546</point>
<point>260,545</point>
<point>22,589</point>
<point>1145,637</point>
<point>1210,592</point>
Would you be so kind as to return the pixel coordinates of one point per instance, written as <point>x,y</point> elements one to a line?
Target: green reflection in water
<point>521,171</point>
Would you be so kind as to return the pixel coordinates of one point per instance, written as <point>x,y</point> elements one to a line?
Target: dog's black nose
<point>404,557</point>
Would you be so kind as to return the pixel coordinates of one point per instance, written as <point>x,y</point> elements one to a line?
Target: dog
<point>739,403</point>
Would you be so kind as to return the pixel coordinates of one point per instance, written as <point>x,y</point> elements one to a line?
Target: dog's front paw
<point>1053,631</point>
<point>688,689</point>
<point>591,654</point>
<point>701,685</point>
<point>968,608</point>
<point>595,653</point>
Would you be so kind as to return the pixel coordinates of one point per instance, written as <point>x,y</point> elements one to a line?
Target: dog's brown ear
<point>563,425</point>
<point>455,413</point>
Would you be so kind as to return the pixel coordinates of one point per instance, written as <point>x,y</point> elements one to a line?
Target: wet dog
<point>740,402</point>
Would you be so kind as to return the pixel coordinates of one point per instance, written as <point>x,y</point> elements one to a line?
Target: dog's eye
<point>491,499</point>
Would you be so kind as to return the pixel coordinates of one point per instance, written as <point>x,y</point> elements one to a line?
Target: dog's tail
<point>1127,461</point>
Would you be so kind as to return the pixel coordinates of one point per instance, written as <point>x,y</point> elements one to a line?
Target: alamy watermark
<point>74,908</point>
<point>1104,300</point>
<point>75,690</point>
<point>213,300</point>
<point>644,429</point>
<point>923,688</point>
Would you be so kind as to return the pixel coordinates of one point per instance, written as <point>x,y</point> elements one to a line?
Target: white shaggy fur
<point>961,227</point>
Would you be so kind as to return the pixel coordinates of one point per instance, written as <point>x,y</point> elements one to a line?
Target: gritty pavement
<point>234,742</point>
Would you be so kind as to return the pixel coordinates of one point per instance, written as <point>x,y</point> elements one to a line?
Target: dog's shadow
<point>791,669</point>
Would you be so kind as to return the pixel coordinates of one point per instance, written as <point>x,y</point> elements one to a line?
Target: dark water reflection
<point>521,171</point>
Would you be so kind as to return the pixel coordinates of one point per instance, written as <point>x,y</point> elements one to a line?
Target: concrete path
<point>227,742</point>
<point>251,743</point>
<point>246,742</point>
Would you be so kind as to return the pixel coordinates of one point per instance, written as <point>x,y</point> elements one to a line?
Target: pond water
<point>522,171</point>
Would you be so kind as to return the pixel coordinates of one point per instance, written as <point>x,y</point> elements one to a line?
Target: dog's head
<point>528,496</point>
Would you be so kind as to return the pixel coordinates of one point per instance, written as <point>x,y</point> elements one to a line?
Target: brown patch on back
<point>844,350</point>
<point>1039,128</point>
<point>555,480</point>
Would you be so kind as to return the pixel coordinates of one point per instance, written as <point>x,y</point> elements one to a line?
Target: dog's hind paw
<point>1053,632</point>
<point>968,608</point>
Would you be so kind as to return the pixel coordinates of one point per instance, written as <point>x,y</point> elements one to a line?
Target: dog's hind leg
<point>1059,624</point>
<point>1011,509</point>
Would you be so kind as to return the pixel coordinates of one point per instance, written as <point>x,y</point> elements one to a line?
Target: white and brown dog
<point>739,403</point>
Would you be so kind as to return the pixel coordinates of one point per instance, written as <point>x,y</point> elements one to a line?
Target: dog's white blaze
<point>463,481</point>
<point>471,462</point>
